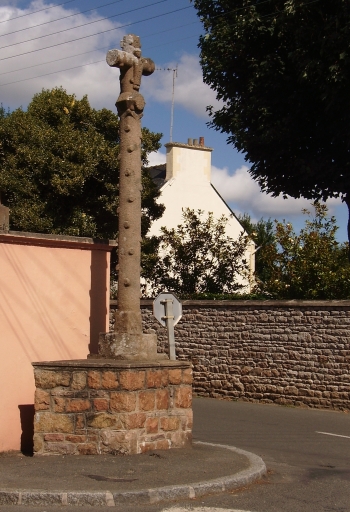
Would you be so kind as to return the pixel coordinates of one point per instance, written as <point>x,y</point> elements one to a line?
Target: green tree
<point>199,257</point>
<point>311,265</point>
<point>263,235</point>
<point>282,70</point>
<point>59,167</point>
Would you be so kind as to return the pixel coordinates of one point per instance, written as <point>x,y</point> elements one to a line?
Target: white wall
<point>188,174</point>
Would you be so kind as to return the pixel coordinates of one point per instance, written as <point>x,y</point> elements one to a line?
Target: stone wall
<point>102,406</point>
<point>286,352</point>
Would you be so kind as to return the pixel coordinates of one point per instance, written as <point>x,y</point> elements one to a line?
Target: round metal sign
<point>159,307</point>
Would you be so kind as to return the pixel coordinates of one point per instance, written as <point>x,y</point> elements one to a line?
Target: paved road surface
<point>306,451</point>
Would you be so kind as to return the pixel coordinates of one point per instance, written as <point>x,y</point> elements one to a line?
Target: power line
<point>91,63</point>
<point>96,33</point>
<point>102,48</point>
<point>59,19</point>
<point>39,10</point>
<point>52,73</point>
<point>82,25</point>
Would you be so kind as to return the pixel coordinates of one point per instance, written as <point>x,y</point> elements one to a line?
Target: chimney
<point>201,141</point>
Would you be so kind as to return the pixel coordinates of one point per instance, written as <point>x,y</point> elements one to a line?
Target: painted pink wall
<point>54,297</point>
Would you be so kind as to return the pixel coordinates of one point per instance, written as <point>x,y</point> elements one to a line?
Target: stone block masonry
<point>120,407</point>
<point>285,352</point>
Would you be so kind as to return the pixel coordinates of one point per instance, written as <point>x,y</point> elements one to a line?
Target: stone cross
<point>128,341</point>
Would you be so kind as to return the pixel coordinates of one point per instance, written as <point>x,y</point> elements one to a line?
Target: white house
<point>185,182</point>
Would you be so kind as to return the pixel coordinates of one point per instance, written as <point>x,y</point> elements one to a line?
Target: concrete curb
<point>146,496</point>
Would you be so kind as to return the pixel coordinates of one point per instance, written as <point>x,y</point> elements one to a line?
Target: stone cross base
<point>132,347</point>
<point>107,406</point>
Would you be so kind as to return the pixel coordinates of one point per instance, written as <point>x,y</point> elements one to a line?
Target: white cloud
<point>190,91</point>
<point>157,158</point>
<point>244,195</point>
<point>47,69</point>
<point>99,81</point>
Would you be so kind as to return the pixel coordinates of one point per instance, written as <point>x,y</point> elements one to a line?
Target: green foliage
<point>282,70</point>
<point>59,167</point>
<point>198,257</point>
<point>263,235</point>
<point>311,265</point>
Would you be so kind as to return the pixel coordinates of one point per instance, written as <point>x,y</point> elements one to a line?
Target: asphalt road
<point>307,453</point>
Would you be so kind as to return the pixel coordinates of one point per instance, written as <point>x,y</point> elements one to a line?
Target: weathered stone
<point>154,379</point>
<point>119,442</point>
<point>38,443</point>
<point>163,444</point>
<point>162,399</point>
<point>49,422</point>
<point>146,400</point>
<point>169,423</point>
<point>132,380</point>
<point>79,422</point>
<point>128,341</point>
<point>94,379</point>
<point>47,379</point>
<point>147,447</point>
<point>54,437</point>
<point>183,397</point>
<point>42,400</point>
<point>79,380</point>
<point>175,376</point>
<point>73,438</point>
<point>103,420</point>
<point>109,380</point>
<point>151,425</point>
<point>187,376</point>
<point>133,420</point>
<point>78,405</point>
<point>123,402</point>
<point>60,448</point>
<point>101,404</point>
<point>87,449</point>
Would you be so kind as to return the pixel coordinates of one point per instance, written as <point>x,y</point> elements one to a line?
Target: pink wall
<point>54,298</point>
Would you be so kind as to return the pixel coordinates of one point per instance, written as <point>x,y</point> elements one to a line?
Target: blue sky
<point>64,43</point>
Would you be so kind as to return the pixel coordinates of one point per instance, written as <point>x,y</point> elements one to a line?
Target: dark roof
<point>157,173</point>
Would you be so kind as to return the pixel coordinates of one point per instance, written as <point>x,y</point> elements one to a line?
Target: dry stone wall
<point>286,352</point>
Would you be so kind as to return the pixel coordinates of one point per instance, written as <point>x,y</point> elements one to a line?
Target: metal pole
<point>172,105</point>
<point>169,318</point>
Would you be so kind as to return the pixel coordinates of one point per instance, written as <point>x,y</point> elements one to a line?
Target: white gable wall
<point>188,174</point>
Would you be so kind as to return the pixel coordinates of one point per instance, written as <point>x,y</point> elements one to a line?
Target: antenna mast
<point>174,70</point>
<point>172,103</point>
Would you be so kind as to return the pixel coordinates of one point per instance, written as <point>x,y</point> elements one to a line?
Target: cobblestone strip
<point>255,471</point>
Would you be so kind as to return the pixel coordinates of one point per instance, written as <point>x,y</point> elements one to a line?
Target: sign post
<point>168,311</point>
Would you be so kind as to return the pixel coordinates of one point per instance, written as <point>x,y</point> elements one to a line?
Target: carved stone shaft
<point>128,341</point>
<point>129,246</point>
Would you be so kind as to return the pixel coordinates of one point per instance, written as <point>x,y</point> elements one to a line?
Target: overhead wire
<point>60,19</point>
<point>39,10</point>
<point>100,49</point>
<point>83,24</point>
<point>122,26</point>
<point>88,64</point>
<point>95,34</point>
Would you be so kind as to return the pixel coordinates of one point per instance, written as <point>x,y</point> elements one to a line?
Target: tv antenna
<point>174,70</point>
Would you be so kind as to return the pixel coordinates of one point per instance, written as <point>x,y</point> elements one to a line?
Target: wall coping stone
<point>111,363</point>
<point>52,240</point>
<point>257,303</point>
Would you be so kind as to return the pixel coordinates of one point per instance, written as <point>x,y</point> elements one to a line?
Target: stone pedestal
<point>110,406</point>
